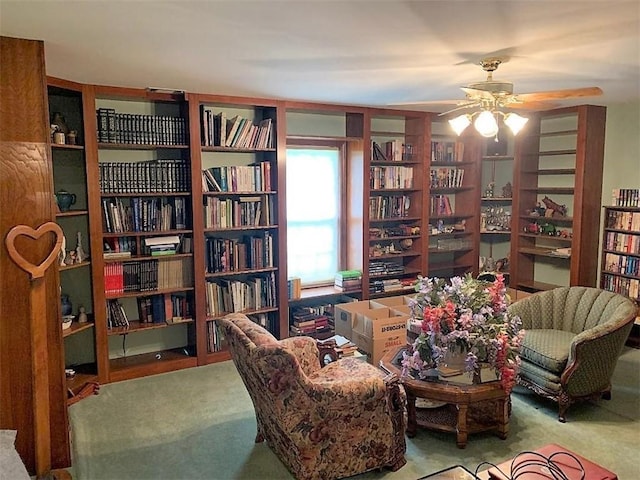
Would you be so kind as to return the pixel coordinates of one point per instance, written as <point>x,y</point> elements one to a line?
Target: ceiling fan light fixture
<point>515,122</point>
<point>460,123</point>
<point>486,124</point>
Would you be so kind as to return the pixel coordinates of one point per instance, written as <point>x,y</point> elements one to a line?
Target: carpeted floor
<point>199,424</point>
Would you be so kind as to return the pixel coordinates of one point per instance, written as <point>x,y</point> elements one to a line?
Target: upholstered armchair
<point>573,338</point>
<point>323,422</point>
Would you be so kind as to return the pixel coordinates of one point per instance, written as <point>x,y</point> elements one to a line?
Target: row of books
<point>440,205</point>
<point>445,151</point>
<point>153,176</point>
<point>114,127</point>
<point>116,316</point>
<point>126,247</point>
<point>236,132</point>
<point>215,338</point>
<point>245,211</point>
<point>393,150</point>
<point>385,267</point>
<point>238,178</point>
<point>382,207</point>
<point>622,264</point>
<point>164,308</point>
<point>623,220</point>
<point>626,197</point>
<point>391,177</point>
<point>144,214</point>
<point>225,296</point>
<point>294,288</point>
<point>250,252</point>
<point>446,177</point>
<point>148,275</point>
<point>625,286</point>
<point>348,280</point>
<point>390,285</point>
<point>306,321</point>
<point>622,242</point>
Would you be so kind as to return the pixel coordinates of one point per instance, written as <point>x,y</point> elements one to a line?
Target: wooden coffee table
<point>458,408</point>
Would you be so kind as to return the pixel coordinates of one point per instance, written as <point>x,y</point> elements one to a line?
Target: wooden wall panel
<point>26,197</point>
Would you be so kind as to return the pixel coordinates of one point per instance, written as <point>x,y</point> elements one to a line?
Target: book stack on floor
<point>344,346</point>
<point>307,321</point>
<point>349,280</point>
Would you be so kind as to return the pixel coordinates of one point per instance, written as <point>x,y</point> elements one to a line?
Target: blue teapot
<point>65,199</point>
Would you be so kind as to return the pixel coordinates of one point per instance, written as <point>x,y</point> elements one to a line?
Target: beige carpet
<point>199,424</point>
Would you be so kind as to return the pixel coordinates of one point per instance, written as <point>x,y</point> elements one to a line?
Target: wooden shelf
<point>449,266</point>
<point>76,328</point>
<point>73,266</point>
<point>72,213</point>
<point>215,357</point>
<point>552,219</point>
<point>542,252</point>
<point>550,153</point>
<point>536,286</point>
<point>237,150</point>
<point>497,157</point>
<point>496,199</point>
<point>391,256</point>
<point>144,234</point>
<point>394,219</point>
<point>238,193</point>
<point>495,232</point>
<point>245,312</point>
<point>145,194</point>
<point>555,190</point>
<point>135,146</point>
<point>149,364</point>
<point>407,272</point>
<point>57,146</point>
<point>546,237</point>
<point>111,296</point>
<point>322,292</point>
<point>136,258</point>
<point>240,272</point>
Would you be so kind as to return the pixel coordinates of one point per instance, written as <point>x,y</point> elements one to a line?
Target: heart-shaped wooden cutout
<point>36,271</point>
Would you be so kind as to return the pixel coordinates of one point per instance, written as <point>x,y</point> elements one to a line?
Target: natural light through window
<point>313,214</point>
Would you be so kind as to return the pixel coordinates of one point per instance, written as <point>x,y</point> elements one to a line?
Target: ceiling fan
<point>492,94</point>
<point>491,97</point>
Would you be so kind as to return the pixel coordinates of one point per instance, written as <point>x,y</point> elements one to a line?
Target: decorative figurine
<point>489,191</point>
<point>82,315</point>
<point>63,252</point>
<point>507,190</point>
<point>80,255</point>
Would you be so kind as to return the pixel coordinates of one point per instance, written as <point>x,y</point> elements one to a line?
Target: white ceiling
<point>353,52</point>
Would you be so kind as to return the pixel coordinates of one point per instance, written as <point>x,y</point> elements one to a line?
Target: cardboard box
<point>401,310</point>
<point>344,315</point>
<point>378,330</point>
<point>379,322</point>
<point>395,301</point>
<point>376,349</point>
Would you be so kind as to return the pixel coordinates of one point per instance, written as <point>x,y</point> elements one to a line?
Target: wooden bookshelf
<point>559,155</point>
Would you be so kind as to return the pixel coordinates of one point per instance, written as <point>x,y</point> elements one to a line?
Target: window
<point>313,213</point>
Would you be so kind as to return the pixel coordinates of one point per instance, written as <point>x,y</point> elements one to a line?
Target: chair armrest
<point>349,382</point>
<point>593,357</point>
<point>306,351</point>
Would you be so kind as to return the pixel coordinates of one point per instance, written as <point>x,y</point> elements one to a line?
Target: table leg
<point>411,414</point>
<point>502,416</point>
<point>461,426</point>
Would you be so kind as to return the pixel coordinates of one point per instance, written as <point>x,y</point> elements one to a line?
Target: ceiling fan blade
<point>559,94</point>
<point>532,105</point>
<point>462,106</point>
<point>474,93</point>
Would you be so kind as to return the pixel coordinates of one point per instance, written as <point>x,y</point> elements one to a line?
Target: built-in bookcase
<point>453,206</point>
<point>395,219</point>
<point>557,194</point>
<point>145,251</point>
<point>496,190</point>
<point>237,163</point>
<point>67,143</point>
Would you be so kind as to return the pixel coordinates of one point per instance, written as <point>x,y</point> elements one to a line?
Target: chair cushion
<point>547,348</point>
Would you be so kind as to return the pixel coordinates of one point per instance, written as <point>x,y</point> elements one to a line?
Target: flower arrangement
<point>468,315</point>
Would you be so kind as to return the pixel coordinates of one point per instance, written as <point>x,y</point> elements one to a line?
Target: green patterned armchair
<point>323,422</point>
<point>573,338</point>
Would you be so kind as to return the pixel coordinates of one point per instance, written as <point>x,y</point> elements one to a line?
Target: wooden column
<point>26,197</point>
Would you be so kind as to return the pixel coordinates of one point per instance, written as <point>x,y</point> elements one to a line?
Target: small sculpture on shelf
<point>63,252</point>
<point>82,315</point>
<point>507,190</point>
<point>554,209</point>
<point>81,256</point>
<point>488,193</point>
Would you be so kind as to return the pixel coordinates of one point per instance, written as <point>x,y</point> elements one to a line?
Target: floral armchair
<point>573,338</point>
<point>323,422</point>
